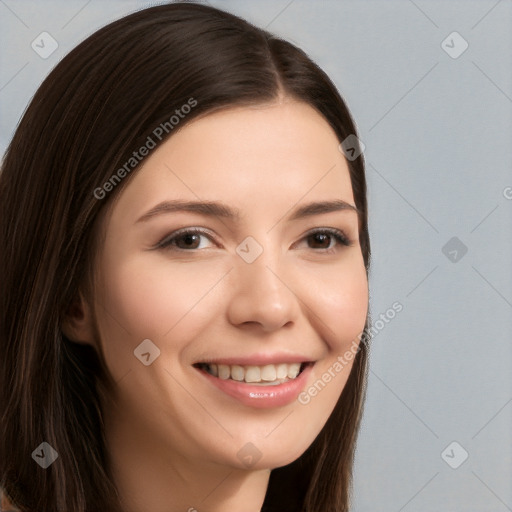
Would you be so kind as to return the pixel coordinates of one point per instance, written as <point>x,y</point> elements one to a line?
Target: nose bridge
<point>262,275</point>
<point>261,292</point>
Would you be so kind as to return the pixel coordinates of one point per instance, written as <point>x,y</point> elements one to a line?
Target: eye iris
<point>321,238</point>
<point>189,239</point>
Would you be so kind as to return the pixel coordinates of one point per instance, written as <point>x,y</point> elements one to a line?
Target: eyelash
<point>168,242</point>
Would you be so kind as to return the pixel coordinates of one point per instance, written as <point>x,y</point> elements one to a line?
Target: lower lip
<point>261,396</point>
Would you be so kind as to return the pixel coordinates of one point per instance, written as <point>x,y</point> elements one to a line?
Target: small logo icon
<point>146,352</point>
<point>454,45</point>
<point>44,45</point>
<point>249,249</point>
<point>454,249</point>
<point>249,455</point>
<point>351,147</point>
<point>45,455</point>
<point>454,455</point>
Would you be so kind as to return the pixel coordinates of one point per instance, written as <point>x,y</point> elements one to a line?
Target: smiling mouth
<point>266,375</point>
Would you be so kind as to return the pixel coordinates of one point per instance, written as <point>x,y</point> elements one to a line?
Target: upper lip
<point>258,360</point>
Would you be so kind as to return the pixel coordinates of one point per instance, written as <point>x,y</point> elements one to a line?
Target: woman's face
<point>241,290</point>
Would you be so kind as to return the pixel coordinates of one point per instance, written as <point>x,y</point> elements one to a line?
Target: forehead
<point>259,158</point>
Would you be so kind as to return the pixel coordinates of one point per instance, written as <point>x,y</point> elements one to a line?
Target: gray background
<point>437,132</point>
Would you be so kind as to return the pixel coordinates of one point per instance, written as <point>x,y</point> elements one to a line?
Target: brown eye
<point>184,240</point>
<point>322,238</point>
<point>190,241</point>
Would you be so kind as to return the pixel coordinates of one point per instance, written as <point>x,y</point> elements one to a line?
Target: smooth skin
<point>173,438</point>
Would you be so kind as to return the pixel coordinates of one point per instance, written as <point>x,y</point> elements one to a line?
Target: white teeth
<point>237,372</point>
<point>252,374</point>
<point>282,371</point>
<point>269,374</point>
<point>224,371</point>
<point>293,370</point>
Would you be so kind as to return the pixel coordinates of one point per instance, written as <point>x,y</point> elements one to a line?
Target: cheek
<point>143,299</point>
<point>341,301</point>
<point>342,306</point>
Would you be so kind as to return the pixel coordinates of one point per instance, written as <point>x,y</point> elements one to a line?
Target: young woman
<point>184,275</point>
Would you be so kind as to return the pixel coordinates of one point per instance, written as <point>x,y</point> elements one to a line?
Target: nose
<point>263,295</point>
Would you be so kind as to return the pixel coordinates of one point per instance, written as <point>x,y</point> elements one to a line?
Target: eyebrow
<point>218,209</point>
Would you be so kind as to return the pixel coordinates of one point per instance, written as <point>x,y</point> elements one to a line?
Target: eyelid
<point>182,231</point>
<point>339,235</point>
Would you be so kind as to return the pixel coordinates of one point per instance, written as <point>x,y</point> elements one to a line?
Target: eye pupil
<point>189,239</point>
<point>321,238</point>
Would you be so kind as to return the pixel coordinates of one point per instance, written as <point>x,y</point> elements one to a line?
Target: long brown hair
<point>95,108</point>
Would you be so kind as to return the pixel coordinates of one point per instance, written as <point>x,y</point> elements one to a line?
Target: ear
<point>77,324</point>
